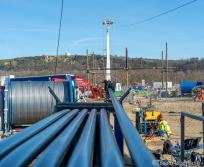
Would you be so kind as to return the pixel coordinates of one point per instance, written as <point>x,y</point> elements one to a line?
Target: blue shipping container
<point>186,87</point>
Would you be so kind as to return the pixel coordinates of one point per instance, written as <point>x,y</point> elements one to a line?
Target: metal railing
<point>182,121</point>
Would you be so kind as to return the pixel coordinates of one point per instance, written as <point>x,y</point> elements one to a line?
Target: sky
<point>30,28</point>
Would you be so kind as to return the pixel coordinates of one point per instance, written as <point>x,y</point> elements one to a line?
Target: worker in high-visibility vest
<point>164,128</point>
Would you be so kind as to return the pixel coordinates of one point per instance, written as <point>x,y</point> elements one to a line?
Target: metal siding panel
<point>31,101</point>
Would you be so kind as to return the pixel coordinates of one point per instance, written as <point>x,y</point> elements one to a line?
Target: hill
<point>188,69</point>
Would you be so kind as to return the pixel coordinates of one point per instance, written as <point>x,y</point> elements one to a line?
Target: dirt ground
<point>171,113</point>
<point>170,110</point>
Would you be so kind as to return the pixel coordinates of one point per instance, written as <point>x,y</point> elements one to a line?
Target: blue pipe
<point>118,135</point>
<point>54,154</point>
<point>83,152</point>
<point>12,142</point>
<point>25,153</point>
<point>139,153</point>
<point>109,151</point>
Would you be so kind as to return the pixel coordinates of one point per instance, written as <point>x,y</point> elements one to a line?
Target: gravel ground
<point>170,110</point>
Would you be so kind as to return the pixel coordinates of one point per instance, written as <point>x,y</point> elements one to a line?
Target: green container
<point>118,93</point>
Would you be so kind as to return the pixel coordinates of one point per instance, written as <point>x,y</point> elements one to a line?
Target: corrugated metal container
<point>32,101</point>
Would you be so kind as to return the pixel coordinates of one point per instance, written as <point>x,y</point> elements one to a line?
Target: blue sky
<point>29,28</point>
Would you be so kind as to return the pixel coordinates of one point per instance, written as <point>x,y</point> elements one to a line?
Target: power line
<point>58,45</point>
<point>59,36</point>
<point>164,13</point>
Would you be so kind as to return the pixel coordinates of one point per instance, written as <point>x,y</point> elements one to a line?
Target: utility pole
<point>107,23</point>
<point>87,64</point>
<point>162,63</point>
<point>126,66</point>
<point>141,63</point>
<point>166,69</point>
<point>93,61</point>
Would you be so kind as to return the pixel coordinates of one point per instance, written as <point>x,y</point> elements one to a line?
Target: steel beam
<point>182,122</point>
<point>110,153</point>
<point>139,152</point>
<point>137,121</point>
<point>83,105</point>
<point>125,95</point>
<point>54,154</point>
<point>25,153</point>
<point>83,152</point>
<point>12,142</point>
<point>130,68</point>
<point>54,95</point>
<point>190,115</point>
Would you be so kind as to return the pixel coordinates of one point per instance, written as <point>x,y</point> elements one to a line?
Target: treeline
<point>188,69</point>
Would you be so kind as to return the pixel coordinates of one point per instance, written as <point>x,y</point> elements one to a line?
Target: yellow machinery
<point>152,115</point>
<point>149,121</point>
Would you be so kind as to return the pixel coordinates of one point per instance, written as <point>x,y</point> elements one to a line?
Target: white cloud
<point>86,40</point>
